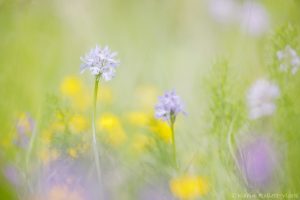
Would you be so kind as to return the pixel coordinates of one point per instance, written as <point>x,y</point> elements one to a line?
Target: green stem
<point>173,140</point>
<point>94,141</point>
<point>231,149</point>
<point>29,152</point>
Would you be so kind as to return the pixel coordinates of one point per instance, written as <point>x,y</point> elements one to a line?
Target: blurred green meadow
<point>209,52</point>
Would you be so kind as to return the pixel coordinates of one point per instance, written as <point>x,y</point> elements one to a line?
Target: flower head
<point>260,99</point>
<point>101,62</point>
<point>289,60</point>
<point>168,106</point>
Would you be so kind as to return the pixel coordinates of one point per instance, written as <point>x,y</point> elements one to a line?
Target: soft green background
<point>169,44</point>
<point>164,43</point>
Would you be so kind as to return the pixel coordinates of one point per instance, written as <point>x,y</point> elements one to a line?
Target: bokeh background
<point>162,45</point>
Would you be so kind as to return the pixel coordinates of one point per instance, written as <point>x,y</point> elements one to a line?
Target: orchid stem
<point>94,141</point>
<point>173,141</point>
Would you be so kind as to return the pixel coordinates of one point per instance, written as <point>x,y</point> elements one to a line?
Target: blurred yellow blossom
<point>138,118</point>
<point>56,126</point>
<point>188,187</point>
<point>111,125</point>
<point>108,122</point>
<point>71,86</point>
<point>162,130</point>
<point>78,124</point>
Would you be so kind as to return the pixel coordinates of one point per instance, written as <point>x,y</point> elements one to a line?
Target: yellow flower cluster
<point>55,127</point>
<point>142,119</point>
<point>188,187</point>
<point>111,125</point>
<point>75,91</point>
<point>162,130</point>
<point>78,124</point>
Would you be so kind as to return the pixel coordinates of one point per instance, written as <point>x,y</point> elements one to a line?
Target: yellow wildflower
<point>138,118</point>
<point>55,127</point>
<point>111,124</point>
<point>162,130</point>
<point>108,122</point>
<point>78,124</point>
<point>188,187</point>
<point>71,86</point>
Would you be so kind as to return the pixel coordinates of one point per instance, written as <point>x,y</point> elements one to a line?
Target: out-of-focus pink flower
<point>258,162</point>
